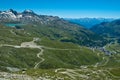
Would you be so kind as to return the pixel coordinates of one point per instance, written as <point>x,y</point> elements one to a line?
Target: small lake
<point>13,24</point>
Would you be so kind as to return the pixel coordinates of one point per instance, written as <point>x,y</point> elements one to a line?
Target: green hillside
<point>66,32</point>
<point>109,29</point>
<point>55,52</point>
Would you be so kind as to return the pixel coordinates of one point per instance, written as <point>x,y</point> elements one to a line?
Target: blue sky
<point>67,8</point>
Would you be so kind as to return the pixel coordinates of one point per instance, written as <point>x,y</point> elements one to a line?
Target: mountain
<point>89,22</point>
<point>41,47</point>
<point>108,29</point>
<point>26,54</point>
<point>52,27</point>
<point>24,17</point>
<point>29,53</point>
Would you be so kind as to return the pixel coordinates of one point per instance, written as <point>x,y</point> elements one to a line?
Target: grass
<point>114,59</point>
<point>69,58</point>
<point>18,58</point>
<point>57,44</point>
<point>13,36</point>
<point>54,59</point>
<point>115,71</point>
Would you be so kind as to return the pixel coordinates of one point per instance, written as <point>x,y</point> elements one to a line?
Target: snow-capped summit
<point>13,11</point>
<point>27,16</point>
<point>10,14</point>
<point>28,11</point>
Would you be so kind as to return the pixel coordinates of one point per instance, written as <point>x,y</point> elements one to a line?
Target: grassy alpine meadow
<point>18,58</point>
<point>51,48</point>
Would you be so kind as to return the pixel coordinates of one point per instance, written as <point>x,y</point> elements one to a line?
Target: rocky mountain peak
<point>28,11</point>
<point>26,16</point>
<point>13,11</point>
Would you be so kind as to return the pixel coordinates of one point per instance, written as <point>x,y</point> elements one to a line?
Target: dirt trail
<point>39,56</point>
<point>30,44</point>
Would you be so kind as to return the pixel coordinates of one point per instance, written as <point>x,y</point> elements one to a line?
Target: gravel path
<point>30,44</point>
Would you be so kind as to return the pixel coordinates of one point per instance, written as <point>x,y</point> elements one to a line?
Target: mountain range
<point>26,16</point>
<point>89,22</point>
<point>42,47</point>
<point>54,27</point>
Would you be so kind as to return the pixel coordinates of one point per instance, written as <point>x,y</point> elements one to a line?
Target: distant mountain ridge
<point>89,22</point>
<point>109,29</point>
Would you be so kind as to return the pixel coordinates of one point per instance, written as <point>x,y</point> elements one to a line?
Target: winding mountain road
<point>39,56</point>
<point>30,44</point>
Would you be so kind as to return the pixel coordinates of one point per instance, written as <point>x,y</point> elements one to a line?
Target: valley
<point>84,72</point>
<point>89,22</point>
<point>50,48</point>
